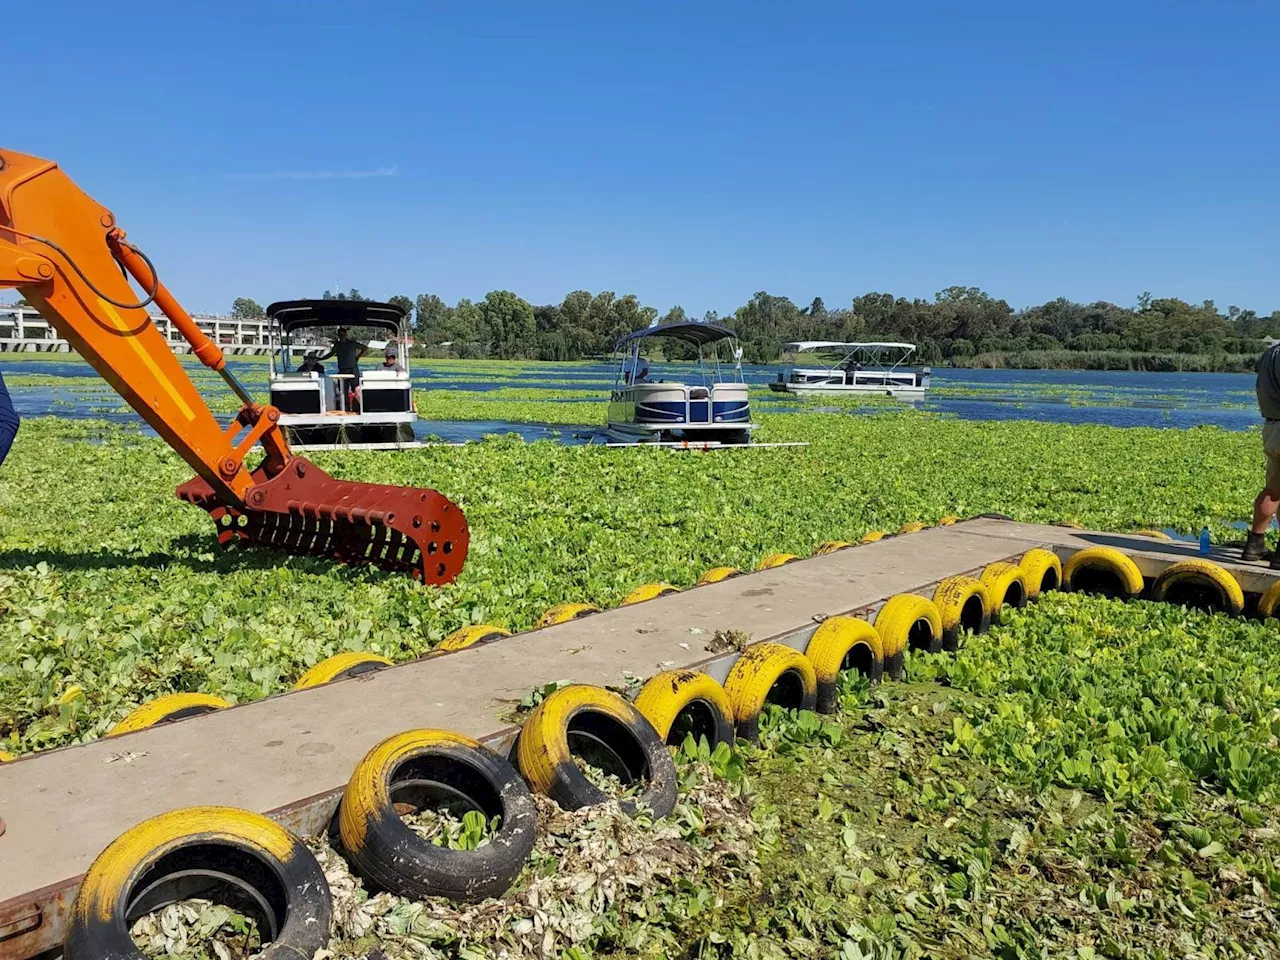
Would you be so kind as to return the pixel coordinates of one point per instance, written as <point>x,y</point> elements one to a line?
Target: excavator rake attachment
<point>304,511</point>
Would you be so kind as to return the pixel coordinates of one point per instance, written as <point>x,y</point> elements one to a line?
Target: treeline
<point>962,325</point>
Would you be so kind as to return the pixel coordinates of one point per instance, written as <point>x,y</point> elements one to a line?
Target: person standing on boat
<point>348,353</point>
<point>1264,508</point>
<point>9,421</point>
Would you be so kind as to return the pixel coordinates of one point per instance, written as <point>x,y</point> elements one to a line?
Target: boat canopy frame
<point>697,333</point>
<point>855,352</point>
<point>290,316</point>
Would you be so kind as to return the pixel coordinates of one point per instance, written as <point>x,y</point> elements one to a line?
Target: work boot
<point>1255,547</point>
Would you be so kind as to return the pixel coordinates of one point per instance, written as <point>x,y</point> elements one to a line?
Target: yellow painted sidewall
<point>872,536</point>
<point>915,526</point>
<point>108,878</point>
<point>563,613</point>
<point>1035,564</point>
<point>662,699</point>
<point>544,738</point>
<point>716,574</point>
<point>831,546</point>
<point>776,560</point>
<point>469,636</point>
<point>755,672</point>
<point>953,593</point>
<point>152,712</point>
<point>648,591</point>
<point>325,671</point>
<point>1269,603</point>
<point>1201,569</point>
<point>997,578</point>
<point>899,614</point>
<point>1106,558</point>
<point>833,640</point>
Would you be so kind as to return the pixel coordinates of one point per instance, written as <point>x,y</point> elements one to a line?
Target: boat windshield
<point>715,353</point>
<point>855,356</point>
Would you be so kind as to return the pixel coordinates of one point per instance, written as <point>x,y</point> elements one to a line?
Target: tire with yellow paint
<point>432,769</point>
<point>1269,602</point>
<point>648,591</point>
<point>680,703</point>
<point>1199,583</point>
<point>831,546</point>
<point>470,636</point>
<point>907,620</point>
<point>873,536</point>
<point>1103,570</point>
<point>769,673</point>
<point>264,871</point>
<point>7,757</point>
<point>605,730</point>
<point>915,526</point>
<point>962,607</point>
<point>776,560</point>
<point>1152,533</point>
<point>1042,570</point>
<point>840,644</point>
<point>950,520</point>
<point>1006,586</point>
<point>167,709</point>
<point>341,666</point>
<point>564,612</point>
<point>717,574</point>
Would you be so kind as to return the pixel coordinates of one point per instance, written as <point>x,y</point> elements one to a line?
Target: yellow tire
<point>948,521</point>
<point>1042,570</point>
<point>340,667</point>
<point>1103,570</point>
<point>1069,524</point>
<point>776,560</point>
<point>648,591</point>
<point>831,546</point>
<point>1199,583</point>
<point>716,574</point>
<point>427,769</point>
<point>167,709</point>
<point>962,606</point>
<point>602,728</point>
<point>839,644</point>
<point>564,612</point>
<point>681,703</point>
<point>871,536</point>
<point>907,620</point>
<point>7,757</point>
<point>915,526</point>
<point>161,860</point>
<point>470,636</point>
<point>1154,534</point>
<point>1006,585</point>
<point>1269,602</point>
<point>769,673</point>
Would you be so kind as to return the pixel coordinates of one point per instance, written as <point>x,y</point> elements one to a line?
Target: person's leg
<point>1264,507</point>
<point>9,421</point>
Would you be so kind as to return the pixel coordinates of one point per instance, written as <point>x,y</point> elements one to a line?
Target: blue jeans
<point>8,421</point>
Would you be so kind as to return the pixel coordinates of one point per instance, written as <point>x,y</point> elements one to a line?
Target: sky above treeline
<point>689,153</point>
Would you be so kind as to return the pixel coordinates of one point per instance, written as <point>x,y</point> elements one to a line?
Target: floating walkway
<point>289,756</point>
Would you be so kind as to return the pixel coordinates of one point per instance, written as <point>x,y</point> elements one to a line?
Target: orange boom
<point>64,253</point>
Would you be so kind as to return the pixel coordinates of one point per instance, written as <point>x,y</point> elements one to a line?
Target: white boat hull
<point>845,389</point>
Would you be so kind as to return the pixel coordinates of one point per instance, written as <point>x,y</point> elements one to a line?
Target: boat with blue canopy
<point>716,409</point>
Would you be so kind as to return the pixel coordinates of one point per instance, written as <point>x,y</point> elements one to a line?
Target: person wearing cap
<point>1264,507</point>
<point>391,361</point>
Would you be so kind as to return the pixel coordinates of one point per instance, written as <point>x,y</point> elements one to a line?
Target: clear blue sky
<point>689,153</point>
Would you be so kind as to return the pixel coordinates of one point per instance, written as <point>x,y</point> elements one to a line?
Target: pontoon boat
<point>716,410</point>
<point>325,408</point>
<point>855,368</point>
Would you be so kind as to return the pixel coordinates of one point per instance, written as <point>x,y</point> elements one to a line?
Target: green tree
<point>511,325</point>
<point>246,309</point>
<point>404,303</point>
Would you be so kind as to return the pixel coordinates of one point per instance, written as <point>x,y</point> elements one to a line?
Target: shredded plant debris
<point>197,930</point>
<point>598,881</point>
<point>722,641</point>
<point>610,784</point>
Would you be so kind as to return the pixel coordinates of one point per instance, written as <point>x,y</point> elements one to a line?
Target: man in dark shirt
<point>8,421</point>
<point>1264,508</point>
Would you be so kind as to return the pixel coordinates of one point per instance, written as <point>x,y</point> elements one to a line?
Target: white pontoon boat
<point>716,410</point>
<point>322,408</point>
<point>854,368</point>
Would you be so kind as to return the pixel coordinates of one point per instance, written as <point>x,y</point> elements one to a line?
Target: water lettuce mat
<point>113,592</point>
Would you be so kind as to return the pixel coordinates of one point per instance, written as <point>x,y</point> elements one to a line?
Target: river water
<point>1113,398</point>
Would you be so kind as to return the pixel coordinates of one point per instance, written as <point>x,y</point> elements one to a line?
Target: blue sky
<point>689,153</point>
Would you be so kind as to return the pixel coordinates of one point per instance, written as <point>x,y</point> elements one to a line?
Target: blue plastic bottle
<point>1204,541</point>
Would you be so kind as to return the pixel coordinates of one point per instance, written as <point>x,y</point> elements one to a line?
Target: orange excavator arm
<point>65,254</point>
